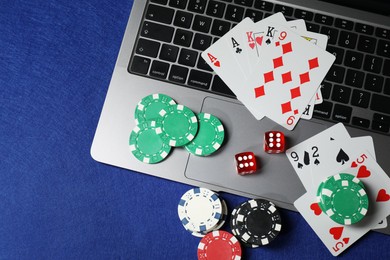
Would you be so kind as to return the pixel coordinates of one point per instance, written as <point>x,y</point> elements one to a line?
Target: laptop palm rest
<point>275,179</point>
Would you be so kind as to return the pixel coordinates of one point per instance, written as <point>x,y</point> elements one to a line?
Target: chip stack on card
<point>340,175</point>
<point>274,67</point>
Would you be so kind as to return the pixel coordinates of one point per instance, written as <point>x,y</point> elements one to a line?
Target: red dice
<point>245,163</point>
<point>274,142</point>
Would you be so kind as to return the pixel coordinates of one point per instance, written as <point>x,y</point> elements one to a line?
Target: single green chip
<point>209,137</point>
<point>146,145</point>
<point>340,176</point>
<point>149,107</point>
<point>344,201</point>
<point>179,125</point>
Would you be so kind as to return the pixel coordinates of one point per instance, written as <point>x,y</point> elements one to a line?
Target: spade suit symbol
<point>342,157</point>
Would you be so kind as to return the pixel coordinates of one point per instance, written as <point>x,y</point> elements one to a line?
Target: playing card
<point>316,151</point>
<point>254,38</point>
<point>288,76</point>
<point>235,42</point>
<point>309,109</point>
<point>219,57</point>
<point>298,24</point>
<point>337,237</point>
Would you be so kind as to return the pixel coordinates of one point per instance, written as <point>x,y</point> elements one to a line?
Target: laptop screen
<point>376,6</point>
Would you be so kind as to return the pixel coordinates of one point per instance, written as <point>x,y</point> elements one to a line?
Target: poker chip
<point>217,226</point>
<point>340,176</point>
<point>256,222</point>
<point>344,201</point>
<point>179,125</point>
<point>149,107</point>
<point>210,136</point>
<point>219,245</point>
<point>200,210</point>
<point>146,145</point>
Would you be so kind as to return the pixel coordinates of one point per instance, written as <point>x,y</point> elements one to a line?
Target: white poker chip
<point>200,210</point>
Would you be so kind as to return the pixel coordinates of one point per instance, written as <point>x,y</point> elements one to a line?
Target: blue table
<point>56,202</point>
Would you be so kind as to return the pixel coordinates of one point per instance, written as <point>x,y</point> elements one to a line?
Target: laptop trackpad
<point>275,178</point>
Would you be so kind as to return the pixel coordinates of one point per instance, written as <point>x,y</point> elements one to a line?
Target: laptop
<point>160,53</point>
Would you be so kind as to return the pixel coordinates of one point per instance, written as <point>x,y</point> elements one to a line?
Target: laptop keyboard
<point>356,90</point>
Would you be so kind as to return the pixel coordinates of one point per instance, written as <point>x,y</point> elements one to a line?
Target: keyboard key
<point>201,42</point>
<point>159,69</point>
<point>247,3</point>
<point>215,9</point>
<point>181,4</point>
<point>263,5</point>
<point>323,19</point>
<point>332,34</point>
<point>234,13</point>
<point>372,64</point>
<point>202,23</point>
<point>336,74</point>
<point>169,52</point>
<point>374,83</point>
<point>326,89</point>
<point>220,86</point>
<point>219,27</point>
<point>348,39</point>
<point>183,38</point>
<point>197,6</point>
<point>353,59</point>
<point>157,31</point>
<point>140,65</point>
<point>199,79</point>
<point>354,78</point>
<point>183,19</point>
<point>286,10</point>
<point>303,14</point>
<point>366,44</point>
<point>342,113</point>
<point>362,122</point>
<point>147,48</point>
<point>337,52</point>
<point>381,127</point>
<point>162,2</point>
<point>386,89</point>
<point>386,68</point>
<point>380,103</point>
<point>344,24</point>
<point>203,65</point>
<point>383,48</point>
<point>313,27</point>
<point>360,98</point>
<point>341,94</point>
<point>381,118</point>
<point>187,57</point>
<point>178,74</point>
<point>159,13</point>
<point>364,28</point>
<point>323,110</point>
<point>383,33</point>
<point>254,15</point>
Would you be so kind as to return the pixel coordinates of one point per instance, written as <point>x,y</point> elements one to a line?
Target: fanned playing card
<point>338,237</point>
<point>287,76</point>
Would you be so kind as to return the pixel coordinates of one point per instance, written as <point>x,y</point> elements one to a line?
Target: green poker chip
<point>146,145</point>
<point>179,125</point>
<point>209,137</point>
<point>340,176</point>
<point>343,200</point>
<point>149,107</point>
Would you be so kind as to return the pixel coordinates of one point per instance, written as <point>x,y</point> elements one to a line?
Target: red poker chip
<point>219,245</point>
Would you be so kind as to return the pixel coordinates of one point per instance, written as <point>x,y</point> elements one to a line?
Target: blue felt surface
<point>56,59</point>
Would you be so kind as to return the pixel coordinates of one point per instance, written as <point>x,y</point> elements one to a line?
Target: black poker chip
<point>256,222</point>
